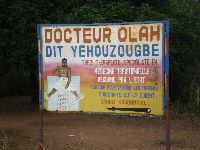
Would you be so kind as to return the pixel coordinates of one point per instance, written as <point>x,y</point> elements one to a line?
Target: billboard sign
<point>112,68</point>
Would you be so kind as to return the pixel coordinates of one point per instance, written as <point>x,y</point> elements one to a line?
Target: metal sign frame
<point>165,71</point>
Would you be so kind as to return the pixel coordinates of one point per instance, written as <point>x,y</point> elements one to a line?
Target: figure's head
<point>64,62</point>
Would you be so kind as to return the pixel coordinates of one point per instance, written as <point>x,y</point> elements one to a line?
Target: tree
<point>18,20</point>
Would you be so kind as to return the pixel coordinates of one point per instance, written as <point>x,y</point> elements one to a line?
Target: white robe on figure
<point>63,99</point>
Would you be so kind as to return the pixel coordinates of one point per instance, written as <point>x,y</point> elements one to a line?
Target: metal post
<point>40,136</point>
<point>168,142</point>
<point>40,142</point>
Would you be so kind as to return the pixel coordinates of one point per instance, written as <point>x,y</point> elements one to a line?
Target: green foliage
<point>185,54</point>
<point>19,40</point>
<point>19,18</point>
<point>100,12</point>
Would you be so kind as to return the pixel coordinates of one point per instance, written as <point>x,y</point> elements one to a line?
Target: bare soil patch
<point>80,131</point>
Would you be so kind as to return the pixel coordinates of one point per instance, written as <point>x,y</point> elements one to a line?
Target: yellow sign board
<point>112,68</point>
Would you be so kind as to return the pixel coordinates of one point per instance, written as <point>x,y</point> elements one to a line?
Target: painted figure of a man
<point>63,84</point>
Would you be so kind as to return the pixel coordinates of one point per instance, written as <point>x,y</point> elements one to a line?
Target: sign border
<point>165,58</point>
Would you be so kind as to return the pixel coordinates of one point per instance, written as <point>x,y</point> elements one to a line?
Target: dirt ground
<point>80,131</point>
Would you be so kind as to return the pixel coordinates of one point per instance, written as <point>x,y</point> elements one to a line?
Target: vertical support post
<point>167,111</point>
<point>40,141</point>
<point>40,136</point>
